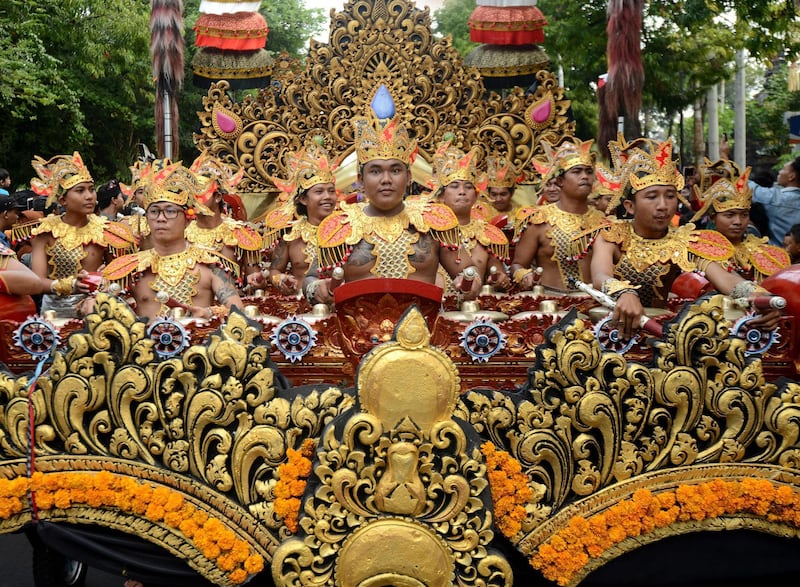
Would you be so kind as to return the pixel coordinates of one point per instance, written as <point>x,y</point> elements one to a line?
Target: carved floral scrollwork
<point>216,419</point>
<point>588,421</point>
<point>374,44</point>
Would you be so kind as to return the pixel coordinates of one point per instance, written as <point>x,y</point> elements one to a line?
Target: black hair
<point>301,208</point>
<point>107,192</point>
<point>796,166</point>
<point>794,232</point>
<point>4,174</point>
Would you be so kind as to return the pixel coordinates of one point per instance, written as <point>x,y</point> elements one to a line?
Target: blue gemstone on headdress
<point>382,104</point>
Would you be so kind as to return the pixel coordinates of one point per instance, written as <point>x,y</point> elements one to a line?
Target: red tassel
<point>625,69</point>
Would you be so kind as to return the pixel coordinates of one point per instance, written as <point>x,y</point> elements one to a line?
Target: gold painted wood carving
<point>387,43</point>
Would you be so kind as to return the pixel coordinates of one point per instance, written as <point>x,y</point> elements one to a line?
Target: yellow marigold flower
<point>226,539</point>
<point>238,576</point>
<point>226,563</point>
<point>62,499</point>
<point>254,564</point>
<point>211,551</point>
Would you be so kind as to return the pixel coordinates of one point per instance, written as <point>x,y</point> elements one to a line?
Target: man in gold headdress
<point>727,198</point>
<point>387,236</point>
<point>187,275</point>
<point>502,178</point>
<point>558,237</point>
<point>67,246</point>
<point>636,261</point>
<point>231,238</point>
<point>311,197</point>
<point>456,182</point>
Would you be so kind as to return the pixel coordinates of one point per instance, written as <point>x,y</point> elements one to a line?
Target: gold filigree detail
<point>593,428</point>
<point>393,45</point>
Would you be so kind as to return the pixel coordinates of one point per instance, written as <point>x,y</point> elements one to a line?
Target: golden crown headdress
<point>58,175</point>
<point>206,165</point>
<point>138,171</point>
<point>642,163</point>
<point>727,187</point>
<point>501,173</point>
<point>375,139</point>
<point>451,164</point>
<point>569,153</point>
<point>608,183</point>
<point>306,168</point>
<point>174,183</point>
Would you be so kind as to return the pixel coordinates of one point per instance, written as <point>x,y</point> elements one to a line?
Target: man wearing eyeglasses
<point>175,273</point>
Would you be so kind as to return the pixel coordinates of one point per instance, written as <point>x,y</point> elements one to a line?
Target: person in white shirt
<point>782,201</point>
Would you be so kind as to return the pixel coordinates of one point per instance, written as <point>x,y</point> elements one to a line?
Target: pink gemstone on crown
<point>541,112</point>
<point>225,122</point>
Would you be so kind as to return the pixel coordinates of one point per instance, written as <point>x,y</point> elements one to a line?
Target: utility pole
<point>712,107</point>
<point>740,126</point>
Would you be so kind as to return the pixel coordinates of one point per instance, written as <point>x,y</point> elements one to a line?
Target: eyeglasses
<point>169,213</point>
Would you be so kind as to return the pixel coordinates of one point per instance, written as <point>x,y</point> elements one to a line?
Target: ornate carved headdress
<point>569,153</point>
<point>58,175</point>
<point>726,187</point>
<point>206,165</point>
<point>639,164</point>
<point>138,172</point>
<point>451,164</point>
<point>376,140</point>
<point>306,168</point>
<point>501,173</point>
<point>172,182</point>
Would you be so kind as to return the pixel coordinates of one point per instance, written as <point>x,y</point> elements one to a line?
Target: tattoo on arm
<point>280,256</point>
<point>225,288</point>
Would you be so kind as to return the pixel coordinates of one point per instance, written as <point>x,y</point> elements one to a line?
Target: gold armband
<point>615,287</point>
<point>521,274</point>
<point>63,287</point>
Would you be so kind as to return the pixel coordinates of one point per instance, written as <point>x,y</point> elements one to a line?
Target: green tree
<point>291,25</point>
<point>688,45</point>
<point>77,78</point>
<point>451,19</point>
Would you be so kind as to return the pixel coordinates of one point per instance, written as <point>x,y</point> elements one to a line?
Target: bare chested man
<point>387,236</point>
<point>197,278</point>
<point>312,189</point>
<point>558,237</point>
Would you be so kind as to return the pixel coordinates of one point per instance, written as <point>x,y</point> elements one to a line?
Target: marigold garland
<point>291,484</point>
<point>510,489</point>
<point>158,504</point>
<point>568,551</point>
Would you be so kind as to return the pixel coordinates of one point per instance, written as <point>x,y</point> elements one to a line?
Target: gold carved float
<point>389,44</point>
<point>123,437</point>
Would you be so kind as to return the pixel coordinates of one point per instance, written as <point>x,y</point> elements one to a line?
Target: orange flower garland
<point>291,483</point>
<point>510,489</point>
<point>158,504</point>
<point>568,551</point>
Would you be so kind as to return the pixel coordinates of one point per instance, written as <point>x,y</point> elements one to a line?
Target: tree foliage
<point>688,45</point>
<point>291,25</point>
<point>77,77</point>
<point>452,20</point>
